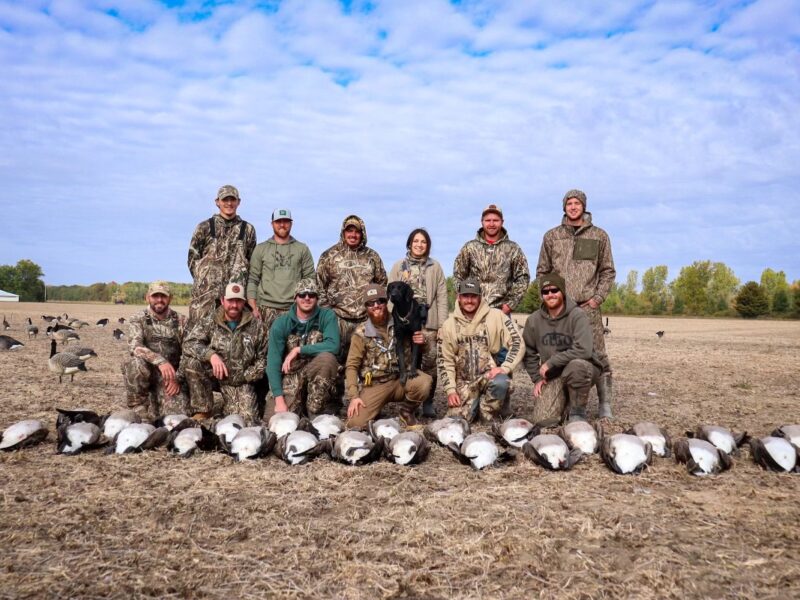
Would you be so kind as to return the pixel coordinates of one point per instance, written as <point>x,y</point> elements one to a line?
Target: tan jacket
<point>435,291</point>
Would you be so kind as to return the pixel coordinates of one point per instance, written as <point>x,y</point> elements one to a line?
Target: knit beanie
<point>577,194</point>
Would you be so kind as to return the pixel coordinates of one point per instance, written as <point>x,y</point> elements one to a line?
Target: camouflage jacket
<point>372,357</point>
<point>244,350</point>
<point>343,274</point>
<point>469,348</point>
<point>501,268</point>
<point>215,261</point>
<point>582,257</point>
<point>156,341</point>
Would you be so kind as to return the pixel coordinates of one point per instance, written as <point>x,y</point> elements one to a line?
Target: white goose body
<point>228,427</point>
<point>283,423</point>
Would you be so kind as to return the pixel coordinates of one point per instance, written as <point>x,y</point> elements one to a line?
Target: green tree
<point>655,291</point>
<point>780,303</point>
<point>752,301</point>
<point>772,282</point>
<point>722,287</point>
<point>532,299</point>
<point>24,279</point>
<point>704,288</point>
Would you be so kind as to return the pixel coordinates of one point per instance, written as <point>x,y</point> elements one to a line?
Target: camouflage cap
<point>307,285</point>
<point>159,287</point>
<point>352,222</point>
<point>492,208</point>
<point>228,191</point>
<point>469,286</point>
<point>577,194</point>
<point>281,213</point>
<point>234,290</point>
<point>374,291</point>
<point>553,279</point>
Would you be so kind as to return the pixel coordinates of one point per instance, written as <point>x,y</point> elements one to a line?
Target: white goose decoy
<point>384,428</point>
<point>355,448</point>
<point>227,427</point>
<point>249,443</point>
<point>76,437</point>
<point>326,426</point>
<point>581,435</point>
<point>299,447</point>
<point>479,450</point>
<point>701,457</point>
<point>188,437</point>
<point>551,452</point>
<point>282,423</point>
<point>722,437</point>
<point>449,430</point>
<point>790,432</point>
<point>117,421</point>
<point>514,432</point>
<point>64,363</point>
<point>136,437</point>
<point>657,436</point>
<point>775,454</point>
<point>407,448</point>
<point>22,434</point>
<point>626,454</point>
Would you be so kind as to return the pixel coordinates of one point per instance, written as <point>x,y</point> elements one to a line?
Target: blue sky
<point>119,119</point>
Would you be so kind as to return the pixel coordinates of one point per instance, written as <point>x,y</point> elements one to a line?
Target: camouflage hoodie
<point>343,274</point>
<point>582,257</point>
<point>501,268</point>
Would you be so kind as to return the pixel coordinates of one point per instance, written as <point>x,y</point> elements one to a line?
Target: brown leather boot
<point>406,415</point>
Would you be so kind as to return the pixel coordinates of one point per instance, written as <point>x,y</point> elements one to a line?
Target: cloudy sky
<point>119,119</point>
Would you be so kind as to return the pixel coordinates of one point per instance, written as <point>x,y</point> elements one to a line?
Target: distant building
<point>8,297</point>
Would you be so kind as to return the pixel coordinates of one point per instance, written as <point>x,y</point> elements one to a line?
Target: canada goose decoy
<point>299,447</point>
<point>249,443</point>
<point>62,335</point>
<point>6,325</point>
<point>83,353</point>
<point>722,437</point>
<point>775,454</point>
<point>59,327</point>
<point>48,318</point>
<point>384,428</point>
<point>170,421</point>
<point>121,320</point>
<point>78,324</point>
<point>102,322</point>
<point>9,343</point>
<point>74,438</point>
<point>32,329</point>
<point>355,448</point>
<point>701,457</point>
<point>581,435</point>
<point>115,422</point>
<point>659,439</point>
<point>660,334</point>
<point>228,427</point>
<point>551,452</point>
<point>188,437</point>
<point>449,430</point>
<point>78,415</point>
<point>606,329</point>
<point>326,426</point>
<point>64,363</point>
<point>626,454</point>
<point>790,432</point>
<point>23,434</point>
<point>282,423</point>
<point>514,432</point>
<point>136,437</point>
<point>479,450</point>
<point>407,448</point>
<point>118,334</point>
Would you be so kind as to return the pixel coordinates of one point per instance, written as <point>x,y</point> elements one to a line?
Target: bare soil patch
<point>154,525</point>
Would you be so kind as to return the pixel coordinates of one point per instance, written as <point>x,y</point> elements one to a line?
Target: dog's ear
<point>408,293</point>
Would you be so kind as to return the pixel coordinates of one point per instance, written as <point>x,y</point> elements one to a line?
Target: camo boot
<point>604,397</point>
<point>578,399</point>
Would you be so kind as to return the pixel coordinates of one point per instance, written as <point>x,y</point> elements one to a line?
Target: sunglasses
<point>550,291</point>
<point>374,303</point>
<point>305,295</point>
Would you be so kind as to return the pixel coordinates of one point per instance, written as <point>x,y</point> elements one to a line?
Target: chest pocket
<point>586,249</point>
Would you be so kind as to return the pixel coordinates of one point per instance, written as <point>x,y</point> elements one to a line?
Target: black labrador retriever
<point>408,316</point>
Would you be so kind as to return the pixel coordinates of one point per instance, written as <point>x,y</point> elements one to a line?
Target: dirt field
<point>154,525</point>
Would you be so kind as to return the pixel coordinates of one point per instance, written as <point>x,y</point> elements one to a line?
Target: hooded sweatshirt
<point>557,340</point>
<point>343,274</point>
<point>275,270</point>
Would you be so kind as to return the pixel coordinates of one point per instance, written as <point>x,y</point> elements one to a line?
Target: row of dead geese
<point>705,451</point>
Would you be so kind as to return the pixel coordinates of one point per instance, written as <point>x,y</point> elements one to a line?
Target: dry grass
<point>153,525</point>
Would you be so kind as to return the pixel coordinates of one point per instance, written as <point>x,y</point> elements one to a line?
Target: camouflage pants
<point>237,399</point>
<point>598,339</point>
<point>200,306</point>
<point>269,314</point>
<point>346,329</point>
<point>483,398</point>
<point>144,390</point>
<point>377,395</point>
<point>552,406</point>
<point>311,389</point>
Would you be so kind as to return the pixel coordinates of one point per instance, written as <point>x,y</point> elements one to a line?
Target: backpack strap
<point>212,228</point>
<point>242,230</point>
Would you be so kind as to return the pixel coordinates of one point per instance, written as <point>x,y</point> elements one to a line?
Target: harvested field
<point>154,525</point>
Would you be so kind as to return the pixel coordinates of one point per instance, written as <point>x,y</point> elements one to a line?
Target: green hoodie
<point>275,270</point>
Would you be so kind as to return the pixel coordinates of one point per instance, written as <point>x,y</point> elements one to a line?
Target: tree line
<point>704,288</point>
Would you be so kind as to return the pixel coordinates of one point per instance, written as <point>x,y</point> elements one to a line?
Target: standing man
<point>275,268</point>
<point>344,271</point>
<point>219,253</point>
<point>372,359</point>
<point>155,335</point>
<point>479,348</point>
<point>581,253</point>
<point>227,349</point>
<point>558,351</point>
<point>497,263</point>
<point>301,362</point>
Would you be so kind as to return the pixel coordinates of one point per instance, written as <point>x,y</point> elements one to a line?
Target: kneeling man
<point>301,362</point>
<point>479,347</point>
<point>372,359</point>
<point>226,348</point>
<point>559,352</point>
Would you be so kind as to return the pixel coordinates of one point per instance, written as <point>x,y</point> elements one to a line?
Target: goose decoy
<point>722,437</point>
<point>355,448</point>
<point>228,427</point>
<point>659,439</point>
<point>102,322</point>
<point>9,343</point>
<point>136,437</point>
<point>384,428</point>
<point>326,426</point>
<point>551,452</point>
<point>407,448</point>
<point>48,318</point>
<point>23,434</point>
<point>299,447</point>
<point>83,353</point>
<point>74,438</point>
<point>170,421</point>
<point>115,422</point>
<point>514,432</point>
<point>121,320</point>
<point>118,334</point>
<point>78,324</point>
<point>626,454</point>
<point>282,423</point>
<point>606,329</point>
<point>64,363</point>
<point>32,329</point>
<point>775,454</point>
<point>249,443</point>
<point>660,334</point>
<point>188,437</point>
<point>77,415</point>
<point>62,335</point>
<point>449,430</point>
<point>6,325</point>
<point>581,435</point>
<point>790,432</point>
<point>701,457</point>
<point>479,450</point>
